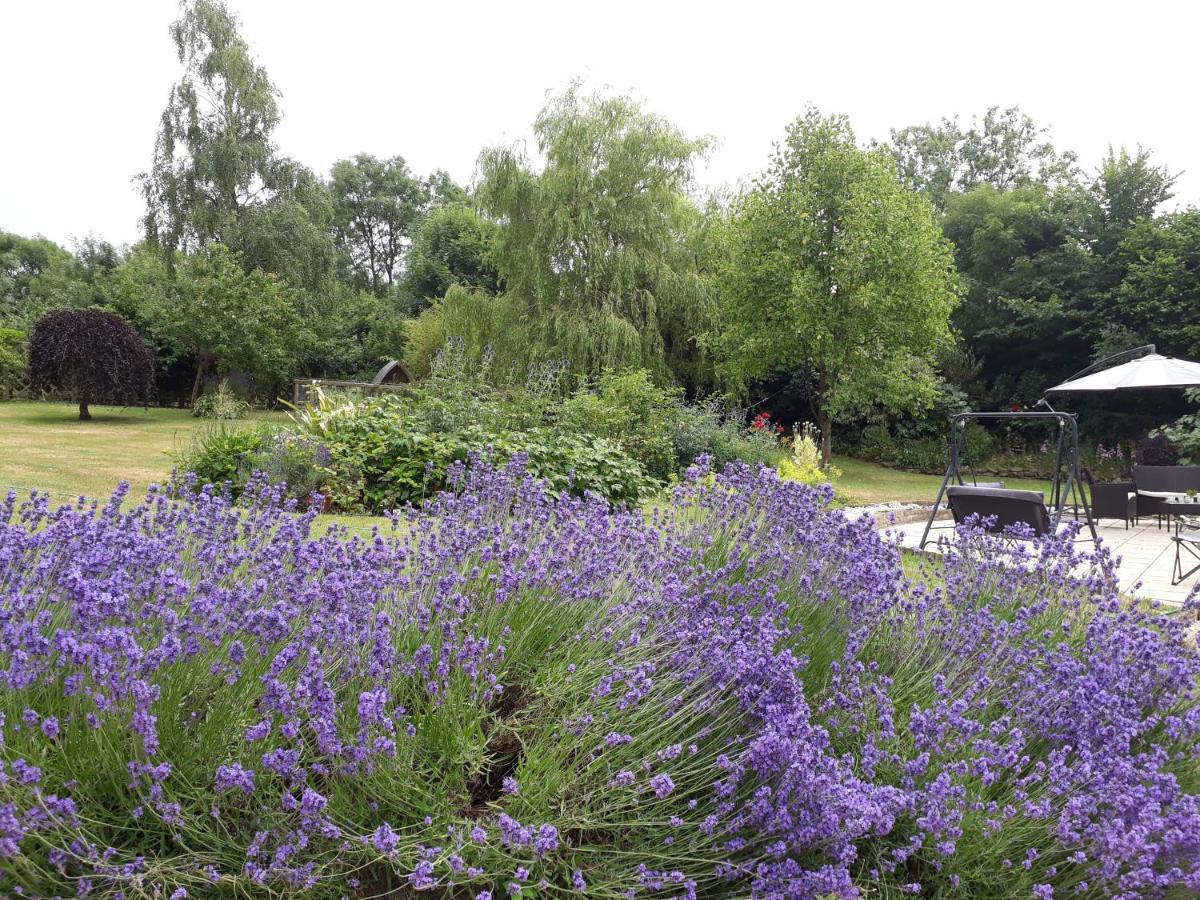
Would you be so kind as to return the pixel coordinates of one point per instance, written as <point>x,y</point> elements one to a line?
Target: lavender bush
<point>510,694</point>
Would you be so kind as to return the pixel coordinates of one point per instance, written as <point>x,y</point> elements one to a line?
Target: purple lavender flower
<point>385,840</point>
<point>662,785</point>
<point>234,777</point>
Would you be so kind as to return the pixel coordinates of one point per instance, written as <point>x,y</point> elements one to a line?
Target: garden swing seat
<point>998,509</point>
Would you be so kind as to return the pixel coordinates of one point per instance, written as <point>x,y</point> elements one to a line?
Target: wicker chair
<point>1113,500</point>
<point>1176,479</point>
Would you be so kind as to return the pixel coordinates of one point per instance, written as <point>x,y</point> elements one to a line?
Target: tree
<point>377,204</point>
<point>452,246</point>
<point>289,232</point>
<point>213,158</point>
<point>216,177</point>
<point>227,320</point>
<point>1127,187</point>
<point>592,245</point>
<point>1004,149</point>
<point>36,276</point>
<point>1158,291</point>
<point>92,354</point>
<point>1026,273</point>
<point>839,271</point>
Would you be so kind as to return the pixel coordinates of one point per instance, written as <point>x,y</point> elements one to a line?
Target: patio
<point>1146,555</point>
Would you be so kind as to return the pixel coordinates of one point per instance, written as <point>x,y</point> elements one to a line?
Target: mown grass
<point>45,446</point>
<point>867,482</point>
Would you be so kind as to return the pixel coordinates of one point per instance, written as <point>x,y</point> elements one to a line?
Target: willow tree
<point>594,245</point>
<point>837,271</point>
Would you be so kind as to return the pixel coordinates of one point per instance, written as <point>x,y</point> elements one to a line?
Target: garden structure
<point>1159,491</point>
<point>391,377</point>
<point>999,508</point>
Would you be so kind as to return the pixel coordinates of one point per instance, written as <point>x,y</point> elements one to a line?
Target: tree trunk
<point>84,415</point>
<point>201,371</point>
<point>825,423</point>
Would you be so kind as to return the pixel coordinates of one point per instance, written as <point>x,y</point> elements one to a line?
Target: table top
<point>1175,497</point>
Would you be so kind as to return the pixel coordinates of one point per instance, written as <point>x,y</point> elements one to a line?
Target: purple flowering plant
<point>737,692</point>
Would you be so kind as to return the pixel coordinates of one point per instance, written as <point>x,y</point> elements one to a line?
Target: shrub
<point>713,430</point>
<point>383,456</point>
<point>630,410</point>
<point>1157,449</point>
<point>927,455</point>
<point>93,355</point>
<point>742,697</point>
<point>1184,434</point>
<point>296,461</point>
<point>877,444</point>
<point>804,465</point>
<point>223,404</point>
<point>218,456</point>
<point>13,364</point>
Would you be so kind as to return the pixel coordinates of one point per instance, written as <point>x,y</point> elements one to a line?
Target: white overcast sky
<point>85,81</point>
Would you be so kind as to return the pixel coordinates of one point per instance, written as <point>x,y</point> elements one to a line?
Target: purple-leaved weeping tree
<point>93,355</point>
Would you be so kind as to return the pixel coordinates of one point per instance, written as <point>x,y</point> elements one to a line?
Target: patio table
<point>1175,503</point>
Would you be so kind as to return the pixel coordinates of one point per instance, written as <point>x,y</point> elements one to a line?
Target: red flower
<point>1016,407</point>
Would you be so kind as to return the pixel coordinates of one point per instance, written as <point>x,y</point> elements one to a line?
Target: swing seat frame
<point>1002,508</point>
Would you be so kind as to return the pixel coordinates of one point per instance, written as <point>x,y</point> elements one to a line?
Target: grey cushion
<point>1005,507</point>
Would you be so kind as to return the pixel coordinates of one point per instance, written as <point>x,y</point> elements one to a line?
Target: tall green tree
<point>1158,291</point>
<point>216,176</point>
<point>452,246</point>
<point>1004,148</point>
<point>377,204</point>
<point>1127,187</point>
<point>1026,272</point>
<point>213,157</point>
<point>591,244</point>
<point>839,271</point>
<point>220,316</point>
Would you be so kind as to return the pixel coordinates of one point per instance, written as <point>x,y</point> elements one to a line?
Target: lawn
<point>866,482</point>
<point>46,446</point>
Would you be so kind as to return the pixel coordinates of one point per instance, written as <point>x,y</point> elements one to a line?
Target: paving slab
<point>1145,555</point>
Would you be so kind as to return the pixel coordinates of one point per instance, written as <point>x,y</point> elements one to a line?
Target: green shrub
<point>978,441</point>
<point>289,458</point>
<point>223,404</point>
<point>218,455</point>
<point>928,455</point>
<point>1184,434</point>
<point>13,362</point>
<point>633,412</point>
<point>877,444</point>
<point>804,463</point>
<point>383,455</point>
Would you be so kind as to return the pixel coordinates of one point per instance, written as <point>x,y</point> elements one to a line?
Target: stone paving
<point>1145,553</point>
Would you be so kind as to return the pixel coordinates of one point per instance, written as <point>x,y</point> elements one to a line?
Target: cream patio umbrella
<point>1150,371</point>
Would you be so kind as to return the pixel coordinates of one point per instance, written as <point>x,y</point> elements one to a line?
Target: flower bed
<point>516,694</point>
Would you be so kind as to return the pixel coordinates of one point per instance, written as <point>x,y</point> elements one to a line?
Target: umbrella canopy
<point>1150,371</point>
